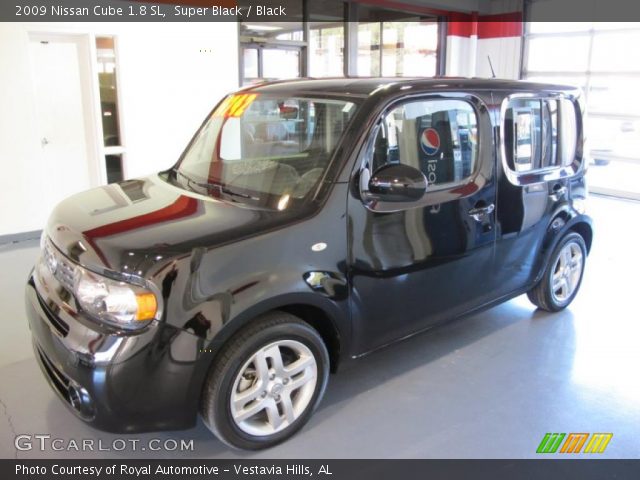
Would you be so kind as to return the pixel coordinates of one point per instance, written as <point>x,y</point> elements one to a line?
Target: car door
<point>533,186</point>
<point>415,263</point>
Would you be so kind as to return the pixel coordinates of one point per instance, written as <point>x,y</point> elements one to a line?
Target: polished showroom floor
<point>488,386</point>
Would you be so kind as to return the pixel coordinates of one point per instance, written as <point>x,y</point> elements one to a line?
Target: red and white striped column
<point>472,39</point>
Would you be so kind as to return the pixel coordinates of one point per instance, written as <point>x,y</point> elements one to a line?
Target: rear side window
<point>438,137</point>
<point>539,134</point>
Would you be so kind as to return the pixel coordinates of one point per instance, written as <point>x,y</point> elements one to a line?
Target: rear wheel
<point>563,275</point>
<point>266,382</point>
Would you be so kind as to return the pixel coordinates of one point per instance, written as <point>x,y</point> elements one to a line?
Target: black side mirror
<point>397,183</point>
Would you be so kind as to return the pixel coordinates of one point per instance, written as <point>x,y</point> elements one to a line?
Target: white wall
<point>461,56</point>
<point>505,57</point>
<point>170,76</point>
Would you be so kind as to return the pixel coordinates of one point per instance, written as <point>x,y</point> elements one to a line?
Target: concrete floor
<point>618,176</point>
<point>489,386</point>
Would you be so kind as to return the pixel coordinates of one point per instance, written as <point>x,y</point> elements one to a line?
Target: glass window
<point>107,80</point>
<point>525,140</point>
<point>108,90</point>
<point>391,44</point>
<point>532,128</point>
<point>263,149</point>
<point>569,132</point>
<point>409,49</point>
<point>438,137</point>
<point>614,25</point>
<point>250,64</point>
<point>614,138</point>
<point>606,66</point>
<point>397,49</point>
<point>611,95</point>
<point>523,134</point>
<point>555,27</point>
<point>114,168</point>
<point>562,54</point>
<point>295,35</point>
<point>326,54</point>
<point>369,49</point>
<point>280,63</point>
<point>326,38</point>
<point>616,52</point>
<point>549,133</point>
<point>579,81</point>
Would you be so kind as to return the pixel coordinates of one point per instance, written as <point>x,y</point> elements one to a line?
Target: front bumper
<point>117,383</point>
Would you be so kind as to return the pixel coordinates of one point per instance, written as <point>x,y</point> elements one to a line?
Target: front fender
<point>334,312</point>
<point>217,291</point>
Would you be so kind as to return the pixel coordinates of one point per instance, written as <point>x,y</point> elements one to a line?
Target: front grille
<point>60,266</point>
<point>60,325</point>
<point>58,379</point>
<point>65,273</point>
<point>73,394</point>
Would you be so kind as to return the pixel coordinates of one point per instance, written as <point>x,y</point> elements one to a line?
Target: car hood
<point>133,225</point>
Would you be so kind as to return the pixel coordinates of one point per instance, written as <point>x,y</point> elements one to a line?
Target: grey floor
<point>488,386</point>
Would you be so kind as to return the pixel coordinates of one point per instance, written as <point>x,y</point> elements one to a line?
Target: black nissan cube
<point>306,224</point>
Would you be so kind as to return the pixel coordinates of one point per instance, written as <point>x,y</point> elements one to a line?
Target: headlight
<point>114,302</point>
<point>118,303</point>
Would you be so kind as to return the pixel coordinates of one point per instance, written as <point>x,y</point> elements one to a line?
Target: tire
<point>251,400</point>
<point>562,276</point>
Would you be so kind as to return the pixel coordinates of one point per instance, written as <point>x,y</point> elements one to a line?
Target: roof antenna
<point>493,73</point>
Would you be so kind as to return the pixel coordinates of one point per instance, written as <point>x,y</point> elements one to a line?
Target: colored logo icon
<point>574,442</point>
<point>430,141</point>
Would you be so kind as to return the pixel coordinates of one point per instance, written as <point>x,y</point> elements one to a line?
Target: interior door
<point>424,263</point>
<point>61,122</point>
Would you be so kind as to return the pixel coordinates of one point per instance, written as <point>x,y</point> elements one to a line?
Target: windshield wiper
<point>214,185</point>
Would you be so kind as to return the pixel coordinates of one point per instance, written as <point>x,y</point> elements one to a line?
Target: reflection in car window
<point>261,146</point>
<point>525,127</point>
<point>438,137</point>
<point>539,133</point>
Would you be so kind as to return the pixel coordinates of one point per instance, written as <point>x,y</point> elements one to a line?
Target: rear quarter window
<point>540,135</point>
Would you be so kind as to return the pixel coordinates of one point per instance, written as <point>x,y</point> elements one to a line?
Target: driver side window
<point>438,137</point>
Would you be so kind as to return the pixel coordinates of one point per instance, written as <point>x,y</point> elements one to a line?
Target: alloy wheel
<point>566,273</point>
<point>273,388</point>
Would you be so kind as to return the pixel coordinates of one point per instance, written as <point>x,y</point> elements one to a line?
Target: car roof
<point>363,87</point>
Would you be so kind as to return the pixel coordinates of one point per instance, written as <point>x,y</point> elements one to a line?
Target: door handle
<point>479,213</point>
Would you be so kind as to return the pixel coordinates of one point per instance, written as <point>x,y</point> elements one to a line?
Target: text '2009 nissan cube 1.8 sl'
<point>307,223</point>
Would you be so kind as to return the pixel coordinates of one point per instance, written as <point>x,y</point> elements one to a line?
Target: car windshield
<point>264,150</point>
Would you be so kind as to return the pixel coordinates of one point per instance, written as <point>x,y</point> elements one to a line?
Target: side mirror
<point>397,183</point>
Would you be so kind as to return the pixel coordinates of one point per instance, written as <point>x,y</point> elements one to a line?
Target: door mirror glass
<point>398,183</point>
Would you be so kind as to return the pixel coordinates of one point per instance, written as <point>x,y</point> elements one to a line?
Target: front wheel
<point>563,275</point>
<point>266,382</point>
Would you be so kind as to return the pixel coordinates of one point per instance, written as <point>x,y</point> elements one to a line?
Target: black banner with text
<point>329,469</point>
<point>291,10</point>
